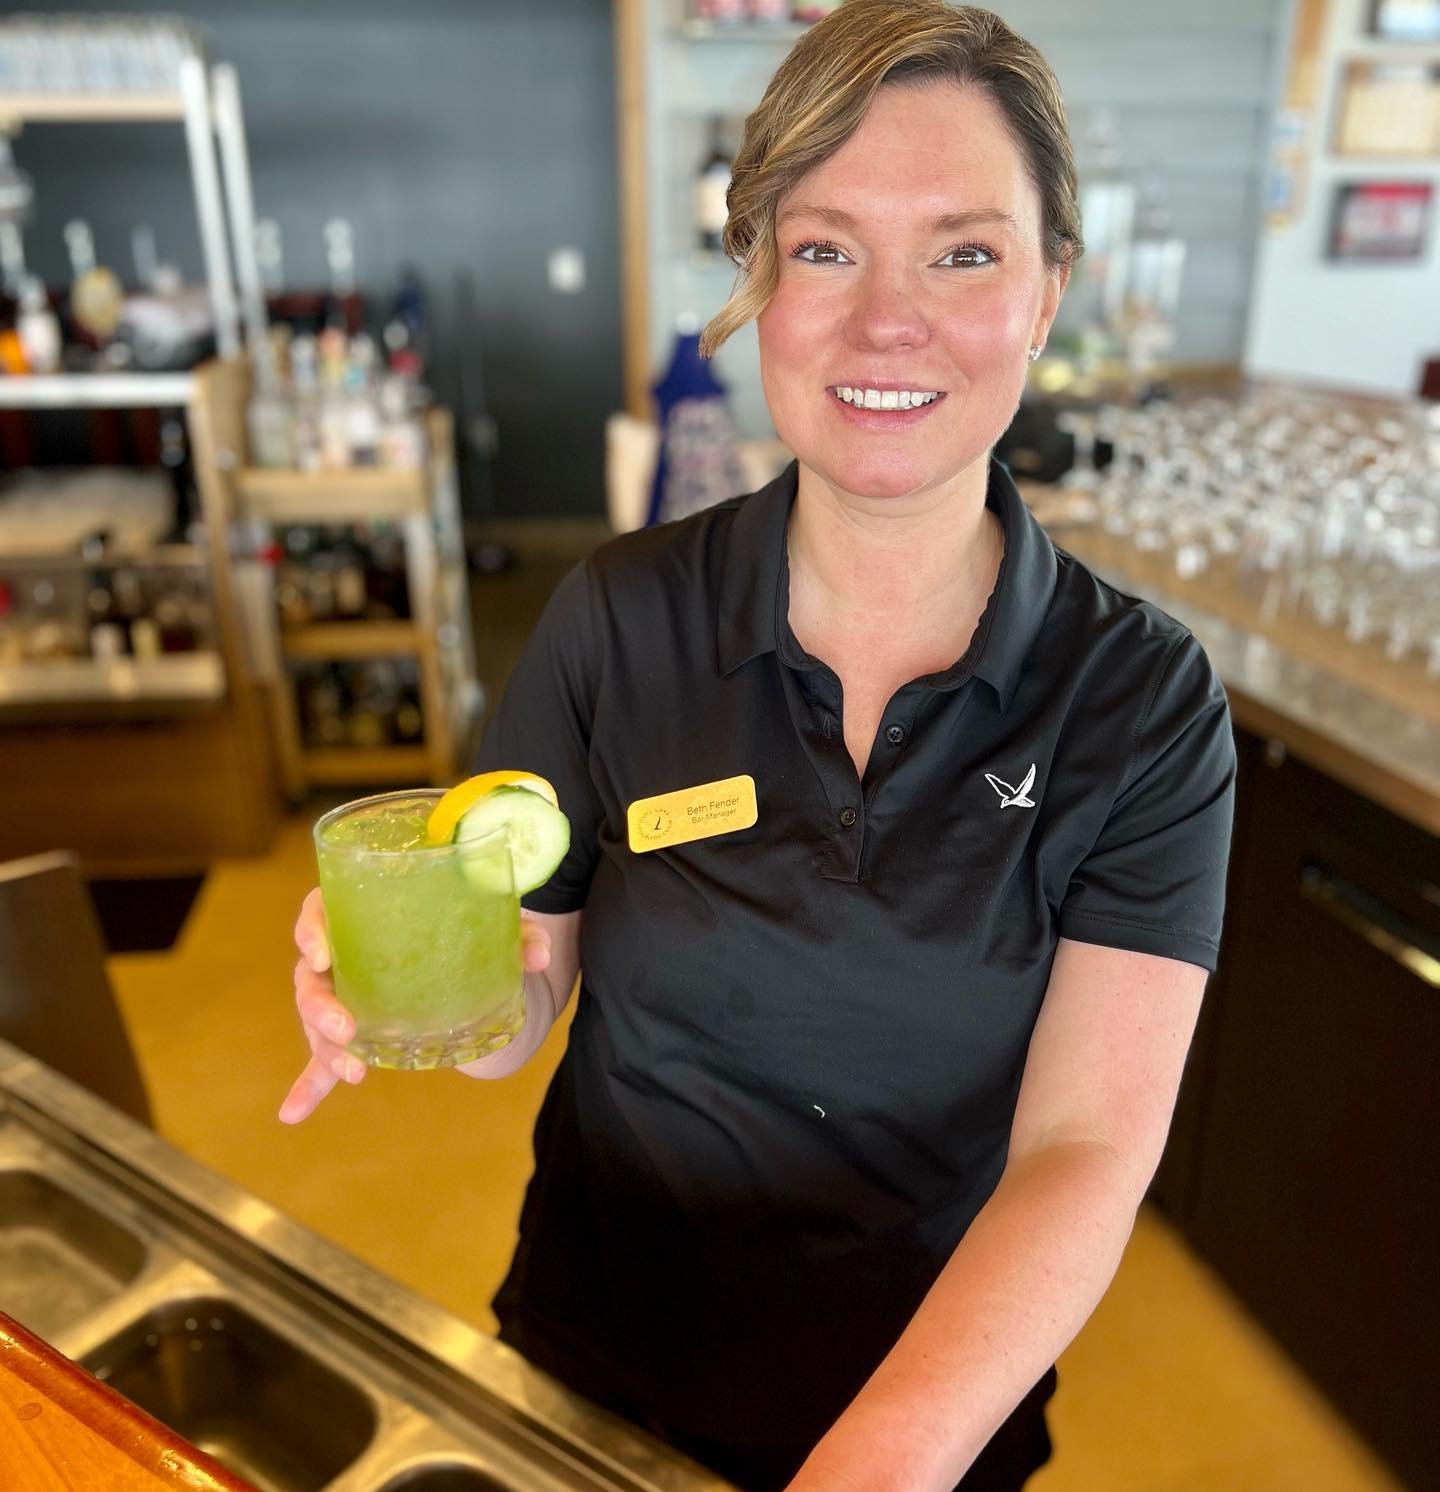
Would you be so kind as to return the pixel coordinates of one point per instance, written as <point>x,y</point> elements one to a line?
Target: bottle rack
<point>423,505</point>
<point>146,765</point>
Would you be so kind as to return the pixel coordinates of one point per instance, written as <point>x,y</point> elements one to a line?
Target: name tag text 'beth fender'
<point>692,813</point>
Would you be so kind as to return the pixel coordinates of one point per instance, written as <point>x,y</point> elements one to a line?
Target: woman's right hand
<point>328,1025</point>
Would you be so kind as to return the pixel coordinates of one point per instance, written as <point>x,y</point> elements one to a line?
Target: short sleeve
<point>543,724</point>
<point>1154,880</point>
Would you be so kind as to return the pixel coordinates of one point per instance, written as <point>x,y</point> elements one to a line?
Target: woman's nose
<point>888,312</point>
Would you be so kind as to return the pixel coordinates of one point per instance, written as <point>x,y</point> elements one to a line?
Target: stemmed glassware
<point>1321,512</point>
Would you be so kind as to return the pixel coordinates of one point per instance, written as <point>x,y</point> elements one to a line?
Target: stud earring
<point>1035,353</point>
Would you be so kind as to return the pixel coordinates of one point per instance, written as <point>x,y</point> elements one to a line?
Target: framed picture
<point>1380,221</point>
<point>1405,20</point>
<point>1390,109</point>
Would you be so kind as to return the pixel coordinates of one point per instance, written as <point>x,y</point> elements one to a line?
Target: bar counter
<point>1365,720</point>
<point>61,1429</point>
<point>1300,1162</point>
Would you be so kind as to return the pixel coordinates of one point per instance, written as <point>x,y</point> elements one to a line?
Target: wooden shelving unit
<point>334,640</point>
<point>147,767</point>
<point>424,505</point>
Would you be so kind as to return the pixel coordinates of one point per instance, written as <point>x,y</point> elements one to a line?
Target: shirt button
<point>848,816</point>
<point>895,734</point>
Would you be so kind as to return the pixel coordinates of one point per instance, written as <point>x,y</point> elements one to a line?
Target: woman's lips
<point>882,419</point>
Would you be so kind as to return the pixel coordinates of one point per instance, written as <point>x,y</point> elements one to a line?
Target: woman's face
<point>877,292</point>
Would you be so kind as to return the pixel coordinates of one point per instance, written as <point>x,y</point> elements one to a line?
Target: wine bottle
<point>712,182</point>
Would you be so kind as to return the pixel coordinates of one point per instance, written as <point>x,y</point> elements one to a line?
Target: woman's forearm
<point>1014,1294</point>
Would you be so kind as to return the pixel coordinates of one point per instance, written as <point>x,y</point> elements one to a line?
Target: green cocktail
<point>424,939</point>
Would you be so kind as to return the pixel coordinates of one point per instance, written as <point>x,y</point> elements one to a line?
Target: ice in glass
<point>424,939</point>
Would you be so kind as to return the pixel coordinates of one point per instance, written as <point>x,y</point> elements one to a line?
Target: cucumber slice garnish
<point>539,837</point>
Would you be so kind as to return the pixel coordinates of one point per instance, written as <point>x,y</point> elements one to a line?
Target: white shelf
<point>95,390</point>
<point>176,678</point>
<point>90,108</point>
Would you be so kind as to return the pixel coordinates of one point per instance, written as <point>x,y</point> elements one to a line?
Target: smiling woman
<point>865,1083</point>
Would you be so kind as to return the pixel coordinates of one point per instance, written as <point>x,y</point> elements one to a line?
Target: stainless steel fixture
<point>290,1361</point>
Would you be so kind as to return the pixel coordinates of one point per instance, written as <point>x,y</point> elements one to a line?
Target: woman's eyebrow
<point>947,222</point>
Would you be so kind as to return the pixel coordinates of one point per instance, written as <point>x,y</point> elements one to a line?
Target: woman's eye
<point>971,254</point>
<point>818,249</point>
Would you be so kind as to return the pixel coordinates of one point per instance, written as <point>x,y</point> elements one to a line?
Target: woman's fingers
<point>310,1087</point>
<point>320,1011</point>
<point>310,933</point>
<point>534,945</point>
<point>328,1025</point>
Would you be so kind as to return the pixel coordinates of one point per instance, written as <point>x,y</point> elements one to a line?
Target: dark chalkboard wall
<point>455,135</point>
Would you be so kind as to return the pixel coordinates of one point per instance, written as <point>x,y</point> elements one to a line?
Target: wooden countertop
<point>1366,720</point>
<point>61,1430</point>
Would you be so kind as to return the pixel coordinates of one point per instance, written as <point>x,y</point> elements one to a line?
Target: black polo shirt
<point>794,1064</point>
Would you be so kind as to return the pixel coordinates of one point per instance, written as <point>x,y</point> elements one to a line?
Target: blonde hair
<point>820,93</point>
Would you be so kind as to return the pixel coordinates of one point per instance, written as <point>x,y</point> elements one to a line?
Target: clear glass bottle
<point>269,418</point>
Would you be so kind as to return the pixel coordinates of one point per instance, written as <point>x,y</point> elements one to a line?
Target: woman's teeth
<point>886,399</point>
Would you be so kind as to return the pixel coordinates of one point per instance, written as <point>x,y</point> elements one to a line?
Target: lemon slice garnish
<point>454,805</point>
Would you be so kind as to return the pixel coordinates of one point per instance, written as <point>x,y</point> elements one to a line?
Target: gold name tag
<point>692,813</point>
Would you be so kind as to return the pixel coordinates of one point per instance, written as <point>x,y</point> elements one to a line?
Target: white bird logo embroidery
<point>1014,797</point>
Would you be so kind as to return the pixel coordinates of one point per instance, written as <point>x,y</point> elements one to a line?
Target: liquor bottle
<point>145,254</point>
<point>305,397</point>
<point>128,605</point>
<point>38,328</point>
<point>362,418</point>
<point>107,636</point>
<point>292,596</point>
<point>332,414</point>
<point>17,197</point>
<point>385,572</point>
<point>96,294</point>
<point>145,641</point>
<point>269,419</point>
<point>270,256</point>
<point>320,587</point>
<point>321,706</point>
<point>377,695</point>
<point>406,329</point>
<point>173,630</point>
<point>45,634</point>
<point>175,458</point>
<point>712,182</point>
<point>12,257</point>
<point>402,434</point>
<point>340,262</point>
<point>351,592</point>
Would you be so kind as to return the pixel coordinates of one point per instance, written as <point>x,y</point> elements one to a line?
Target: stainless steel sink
<point>288,1360</point>
<point>230,1385</point>
<point>59,1257</point>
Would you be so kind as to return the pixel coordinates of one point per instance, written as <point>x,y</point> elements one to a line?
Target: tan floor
<point>1170,1388</point>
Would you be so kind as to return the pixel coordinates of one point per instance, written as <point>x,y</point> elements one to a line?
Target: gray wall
<point>476,134</point>
<point>1191,86</point>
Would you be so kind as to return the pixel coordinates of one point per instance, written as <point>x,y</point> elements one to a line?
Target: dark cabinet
<point>1304,1163</point>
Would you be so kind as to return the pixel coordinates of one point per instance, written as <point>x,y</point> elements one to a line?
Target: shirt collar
<point>755,586</point>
